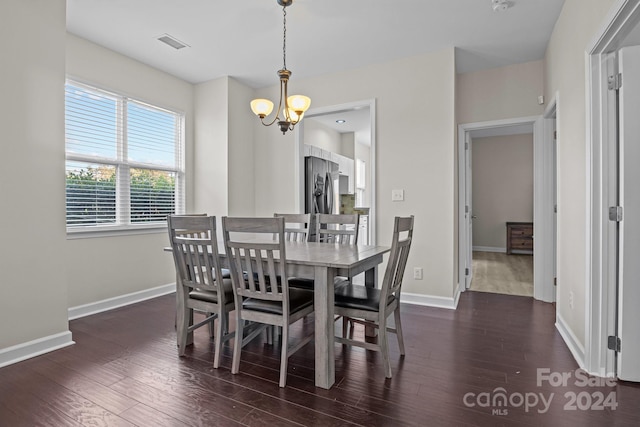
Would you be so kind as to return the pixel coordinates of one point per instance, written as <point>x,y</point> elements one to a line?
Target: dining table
<point>322,262</point>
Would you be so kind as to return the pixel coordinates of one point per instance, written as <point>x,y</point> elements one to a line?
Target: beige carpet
<point>502,274</point>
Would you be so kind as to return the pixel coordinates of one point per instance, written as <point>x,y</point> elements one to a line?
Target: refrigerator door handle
<point>329,193</point>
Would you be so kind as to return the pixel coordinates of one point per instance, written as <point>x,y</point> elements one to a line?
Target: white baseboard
<point>576,349</point>
<point>489,249</point>
<point>431,301</point>
<point>27,350</point>
<point>119,301</point>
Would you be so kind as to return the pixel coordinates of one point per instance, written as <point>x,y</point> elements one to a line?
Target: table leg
<point>371,281</point>
<point>324,327</point>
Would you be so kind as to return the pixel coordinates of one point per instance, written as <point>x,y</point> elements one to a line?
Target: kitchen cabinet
<point>347,168</point>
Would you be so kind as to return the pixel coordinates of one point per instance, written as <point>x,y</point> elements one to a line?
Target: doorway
<point>543,288</point>
<point>502,210</point>
<point>354,124</point>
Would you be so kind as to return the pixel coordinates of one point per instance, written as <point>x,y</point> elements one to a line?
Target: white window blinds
<point>124,161</point>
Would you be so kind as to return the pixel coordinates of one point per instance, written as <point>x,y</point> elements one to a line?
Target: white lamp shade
<point>261,107</point>
<point>293,115</point>
<point>299,103</point>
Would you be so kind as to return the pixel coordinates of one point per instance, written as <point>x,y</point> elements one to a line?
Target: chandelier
<point>294,106</point>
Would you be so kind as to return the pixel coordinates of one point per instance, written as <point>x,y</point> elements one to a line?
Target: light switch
<point>397,195</point>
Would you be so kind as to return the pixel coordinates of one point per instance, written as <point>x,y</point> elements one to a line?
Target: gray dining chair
<point>200,279</point>
<point>262,292</point>
<point>332,228</point>
<point>371,306</point>
<point>296,226</point>
<point>337,228</point>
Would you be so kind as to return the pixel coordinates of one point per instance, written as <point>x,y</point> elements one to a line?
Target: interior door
<point>629,237</point>
<point>468,211</point>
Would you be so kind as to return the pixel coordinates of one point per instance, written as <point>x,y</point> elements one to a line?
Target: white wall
<point>347,144</point>
<point>500,93</point>
<point>241,153</point>
<point>224,156</point>
<point>502,186</point>
<point>33,289</point>
<point>106,267</point>
<point>319,135</point>
<point>415,152</point>
<point>211,154</point>
<point>565,74</point>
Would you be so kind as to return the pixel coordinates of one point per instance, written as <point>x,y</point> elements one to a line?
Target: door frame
<point>544,204</point>
<point>543,225</point>
<point>601,173</point>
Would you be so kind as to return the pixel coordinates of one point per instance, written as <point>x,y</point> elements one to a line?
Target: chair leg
<point>270,334</point>
<point>182,324</point>
<point>226,323</point>
<point>352,327</point>
<point>383,342</point>
<point>345,323</point>
<point>237,346</point>
<point>396,316</point>
<point>220,326</point>
<point>211,326</point>
<point>284,358</point>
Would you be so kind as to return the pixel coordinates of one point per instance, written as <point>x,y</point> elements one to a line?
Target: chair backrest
<point>333,228</point>
<point>193,240</point>
<point>400,245</point>
<point>296,226</point>
<point>257,264</point>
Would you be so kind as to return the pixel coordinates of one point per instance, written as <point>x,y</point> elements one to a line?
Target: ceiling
<point>243,39</point>
<point>356,120</point>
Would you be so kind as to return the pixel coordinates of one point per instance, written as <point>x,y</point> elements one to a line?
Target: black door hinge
<point>613,343</point>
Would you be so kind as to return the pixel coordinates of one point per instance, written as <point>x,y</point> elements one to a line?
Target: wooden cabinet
<point>520,237</point>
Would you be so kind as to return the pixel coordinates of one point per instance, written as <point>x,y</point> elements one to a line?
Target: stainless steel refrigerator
<point>321,185</point>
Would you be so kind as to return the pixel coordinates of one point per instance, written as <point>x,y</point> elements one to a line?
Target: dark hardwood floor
<point>124,370</point>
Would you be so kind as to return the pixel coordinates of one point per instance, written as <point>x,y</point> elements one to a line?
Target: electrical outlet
<point>397,195</point>
<point>417,273</point>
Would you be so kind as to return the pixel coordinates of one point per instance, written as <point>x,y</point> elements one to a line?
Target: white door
<point>468,211</point>
<point>629,237</point>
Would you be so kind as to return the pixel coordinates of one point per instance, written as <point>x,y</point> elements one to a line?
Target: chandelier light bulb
<point>295,118</point>
<point>299,102</point>
<point>261,107</point>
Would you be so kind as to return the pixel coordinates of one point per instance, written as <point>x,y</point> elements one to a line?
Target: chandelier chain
<point>284,38</point>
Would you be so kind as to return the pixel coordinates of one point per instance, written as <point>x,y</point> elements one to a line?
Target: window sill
<point>115,231</point>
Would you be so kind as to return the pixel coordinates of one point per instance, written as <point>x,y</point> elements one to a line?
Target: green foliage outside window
<point>91,195</point>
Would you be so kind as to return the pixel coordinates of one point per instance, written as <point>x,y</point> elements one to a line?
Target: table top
<point>325,254</point>
<point>331,254</point>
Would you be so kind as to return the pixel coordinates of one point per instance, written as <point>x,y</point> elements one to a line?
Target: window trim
<point>123,225</point>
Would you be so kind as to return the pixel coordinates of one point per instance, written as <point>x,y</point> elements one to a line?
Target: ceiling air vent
<point>172,41</point>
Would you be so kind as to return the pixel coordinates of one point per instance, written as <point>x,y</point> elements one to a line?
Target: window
<point>360,182</point>
<point>124,161</point>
